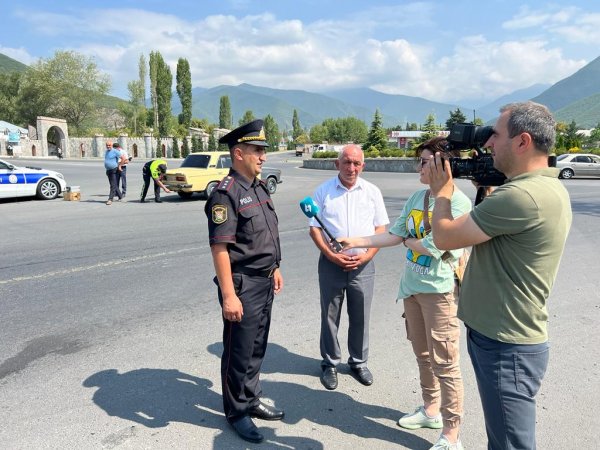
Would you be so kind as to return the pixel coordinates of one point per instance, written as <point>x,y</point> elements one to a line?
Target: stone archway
<point>53,133</point>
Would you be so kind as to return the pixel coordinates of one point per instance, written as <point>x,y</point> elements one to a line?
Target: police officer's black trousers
<point>147,179</point>
<point>245,344</point>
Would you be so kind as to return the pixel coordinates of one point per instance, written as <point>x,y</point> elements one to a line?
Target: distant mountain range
<point>575,98</point>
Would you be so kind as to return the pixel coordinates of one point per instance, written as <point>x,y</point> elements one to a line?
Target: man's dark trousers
<point>508,377</point>
<point>114,187</point>
<point>147,178</point>
<point>245,344</point>
<point>122,180</point>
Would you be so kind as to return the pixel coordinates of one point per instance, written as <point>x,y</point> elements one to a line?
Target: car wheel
<point>566,174</point>
<point>48,189</point>
<point>272,185</point>
<point>185,194</point>
<point>211,187</point>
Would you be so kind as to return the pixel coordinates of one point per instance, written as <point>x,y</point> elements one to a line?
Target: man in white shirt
<point>349,206</point>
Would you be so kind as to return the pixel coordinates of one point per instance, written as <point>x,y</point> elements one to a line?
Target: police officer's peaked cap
<point>250,133</point>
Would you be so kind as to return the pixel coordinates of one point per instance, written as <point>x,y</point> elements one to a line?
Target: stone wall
<point>408,165</point>
<point>94,147</point>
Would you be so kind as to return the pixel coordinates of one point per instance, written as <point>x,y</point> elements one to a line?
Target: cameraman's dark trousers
<point>508,377</point>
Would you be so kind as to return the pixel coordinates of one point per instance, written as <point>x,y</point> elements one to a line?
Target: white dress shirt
<point>350,212</point>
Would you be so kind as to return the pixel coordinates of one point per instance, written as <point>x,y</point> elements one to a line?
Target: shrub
<point>325,154</point>
<point>372,152</point>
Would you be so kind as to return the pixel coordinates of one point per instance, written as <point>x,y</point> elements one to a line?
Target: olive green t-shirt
<point>508,278</point>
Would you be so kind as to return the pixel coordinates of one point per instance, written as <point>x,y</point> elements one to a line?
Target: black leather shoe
<point>265,412</point>
<point>246,429</point>
<point>329,378</point>
<point>363,374</point>
<point>158,201</point>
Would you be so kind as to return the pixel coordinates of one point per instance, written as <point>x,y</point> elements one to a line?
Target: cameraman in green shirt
<point>518,234</point>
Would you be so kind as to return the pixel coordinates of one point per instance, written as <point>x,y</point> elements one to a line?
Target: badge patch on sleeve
<point>219,214</point>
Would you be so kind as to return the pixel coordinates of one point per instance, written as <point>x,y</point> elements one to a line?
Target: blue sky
<point>448,51</point>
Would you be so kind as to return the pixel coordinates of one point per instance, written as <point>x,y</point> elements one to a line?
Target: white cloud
<point>264,50</point>
<point>571,23</point>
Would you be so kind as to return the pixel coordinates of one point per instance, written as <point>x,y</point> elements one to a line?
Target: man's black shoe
<point>158,201</point>
<point>329,378</point>
<point>142,201</point>
<point>246,429</point>
<point>265,412</point>
<point>363,374</point>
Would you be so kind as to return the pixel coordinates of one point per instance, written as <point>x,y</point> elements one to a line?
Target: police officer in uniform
<point>244,240</point>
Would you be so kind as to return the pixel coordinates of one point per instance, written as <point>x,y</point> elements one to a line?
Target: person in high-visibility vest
<point>154,170</point>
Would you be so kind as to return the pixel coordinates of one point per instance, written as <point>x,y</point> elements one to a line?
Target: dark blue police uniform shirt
<point>241,214</point>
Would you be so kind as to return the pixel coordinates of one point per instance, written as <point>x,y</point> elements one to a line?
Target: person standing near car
<point>349,206</point>
<point>112,164</point>
<point>154,170</point>
<point>122,173</point>
<point>244,241</point>
<point>518,234</point>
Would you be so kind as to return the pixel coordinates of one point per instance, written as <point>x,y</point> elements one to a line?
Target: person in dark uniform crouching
<point>244,241</point>
<point>154,170</point>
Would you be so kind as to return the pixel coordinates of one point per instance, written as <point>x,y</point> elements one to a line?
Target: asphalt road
<point>110,329</point>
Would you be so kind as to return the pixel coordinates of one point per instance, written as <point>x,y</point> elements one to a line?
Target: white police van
<point>28,181</point>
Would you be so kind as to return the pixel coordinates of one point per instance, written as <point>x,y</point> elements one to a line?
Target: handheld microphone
<point>310,210</point>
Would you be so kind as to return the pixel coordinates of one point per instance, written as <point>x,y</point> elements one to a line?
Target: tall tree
<point>430,129</point>
<point>225,113</point>
<point>377,136</point>
<point>318,133</point>
<point>184,90</point>
<point>164,86</point>
<point>153,63</point>
<point>69,86</point>
<point>186,147</point>
<point>136,100</point>
<point>247,117</point>
<point>194,143</point>
<point>456,116</point>
<point>296,127</point>
<point>176,152</point>
<point>272,133</point>
<point>346,129</point>
<point>142,72</point>
<point>212,142</point>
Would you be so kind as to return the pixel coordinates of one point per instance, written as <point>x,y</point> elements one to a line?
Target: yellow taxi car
<point>201,172</point>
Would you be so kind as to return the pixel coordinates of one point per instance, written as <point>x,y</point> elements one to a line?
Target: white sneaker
<point>420,419</point>
<point>444,444</point>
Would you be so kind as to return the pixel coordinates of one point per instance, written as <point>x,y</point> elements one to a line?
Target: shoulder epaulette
<point>226,183</point>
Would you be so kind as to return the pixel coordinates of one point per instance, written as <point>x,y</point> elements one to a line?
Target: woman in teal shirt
<point>428,289</point>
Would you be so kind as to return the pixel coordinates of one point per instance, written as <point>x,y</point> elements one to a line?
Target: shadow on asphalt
<point>156,397</point>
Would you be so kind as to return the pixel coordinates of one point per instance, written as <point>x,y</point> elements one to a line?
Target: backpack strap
<point>426,223</point>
